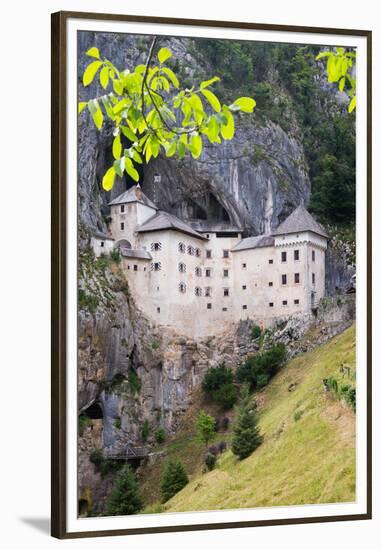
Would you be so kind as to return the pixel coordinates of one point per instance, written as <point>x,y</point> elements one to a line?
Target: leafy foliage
<point>124,498</point>
<point>151,113</point>
<point>104,465</point>
<point>160,436</point>
<point>210,461</point>
<point>258,369</point>
<point>218,384</point>
<point>173,480</point>
<point>256,332</point>
<point>206,427</point>
<point>246,433</point>
<point>146,430</point>
<point>339,69</point>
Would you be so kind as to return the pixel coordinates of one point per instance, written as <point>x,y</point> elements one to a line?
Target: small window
<point>182,288</point>
<point>198,272</point>
<point>296,255</point>
<point>207,236</point>
<point>208,253</point>
<point>313,255</point>
<point>157,310</point>
<point>198,291</point>
<point>224,309</point>
<point>182,267</point>
<point>155,246</point>
<point>284,257</point>
<point>244,287</point>
<point>144,268</point>
<point>157,288</point>
<point>313,278</point>
<point>208,272</point>
<point>208,306</point>
<point>197,252</point>
<point>284,302</point>
<point>135,267</point>
<point>122,208</point>
<point>182,247</point>
<point>243,266</point>
<point>271,304</point>
<point>122,226</point>
<point>190,250</point>
<point>208,291</point>
<point>156,266</point>
<point>102,244</point>
<point>270,283</point>
<point>296,302</point>
<point>271,261</point>
<point>128,267</point>
<point>226,292</point>
<point>244,307</point>
<point>296,278</point>
<point>225,254</point>
<point>226,273</point>
<point>284,279</point>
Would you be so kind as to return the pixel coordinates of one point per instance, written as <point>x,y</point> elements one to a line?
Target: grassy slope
<point>310,460</point>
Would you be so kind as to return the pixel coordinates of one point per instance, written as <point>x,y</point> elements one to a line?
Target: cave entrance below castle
<point>94,412</point>
<point>83,507</point>
<point>91,423</point>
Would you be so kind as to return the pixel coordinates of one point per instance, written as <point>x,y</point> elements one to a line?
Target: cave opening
<point>83,507</point>
<point>94,412</point>
<point>216,211</point>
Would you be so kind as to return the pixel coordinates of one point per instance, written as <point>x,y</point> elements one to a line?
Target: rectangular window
<point>226,273</point>
<point>102,244</point>
<point>270,283</point>
<point>271,304</point>
<point>224,309</point>
<point>122,208</point>
<point>208,291</point>
<point>296,278</point>
<point>207,272</point>
<point>284,302</point>
<point>244,307</point>
<point>244,287</point>
<point>313,278</point>
<point>122,226</point>
<point>284,257</point>
<point>135,267</point>
<point>243,266</point>
<point>296,302</point>
<point>226,292</point>
<point>296,255</point>
<point>208,253</point>
<point>284,279</point>
<point>313,255</point>
<point>158,310</point>
<point>225,254</point>
<point>208,306</point>
<point>271,261</point>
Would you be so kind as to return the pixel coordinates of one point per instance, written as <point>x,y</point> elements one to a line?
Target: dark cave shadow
<point>40,524</point>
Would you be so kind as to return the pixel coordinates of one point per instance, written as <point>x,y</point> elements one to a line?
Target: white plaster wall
<point>96,244</point>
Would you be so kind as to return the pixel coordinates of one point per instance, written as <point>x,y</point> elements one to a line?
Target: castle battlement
<point>197,277</point>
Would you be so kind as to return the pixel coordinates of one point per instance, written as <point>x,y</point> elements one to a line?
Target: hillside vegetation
<point>308,453</point>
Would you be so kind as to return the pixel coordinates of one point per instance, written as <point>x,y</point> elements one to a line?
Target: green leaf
<point>213,100</point>
<point>118,86</point>
<point>246,104</point>
<point>213,130</point>
<point>227,130</point>
<point>117,147</point>
<point>131,171</point>
<point>104,77</point>
<point>323,54</point>
<point>164,54</point>
<point>128,133</point>
<point>171,150</point>
<point>81,106</point>
<point>207,83</point>
<point>93,52</point>
<point>108,179</point>
<point>90,72</point>
<point>118,168</point>
<point>196,146</point>
<point>333,69</point>
<point>342,83</point>
<point>96,113</point>
<point>181,149</point>
<point>137,158</point>
<point>171,75</point>
<point>352,104</point>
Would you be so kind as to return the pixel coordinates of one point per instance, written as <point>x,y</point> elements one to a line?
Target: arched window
<point>197,252</point>
<point>182,288</point>
<point>156,266</point>
<point>190,250</point>
<point>198,291</point>
<point>182,267</point>
<point>155,246</point>
<point>182,248</point>
<point>208,291</point>
<point>198,271</point>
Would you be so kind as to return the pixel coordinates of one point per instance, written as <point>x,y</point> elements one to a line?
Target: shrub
<point>87,301</point>
<point>160,436</point>
<point>262,380</point>
<point>246,434</point>
<point>256,332</point>
<point>213,450</point>
<point>222,446</point>
<point>210,461</point>
<point>205,425</point>
<point>115,255</point>
<point>217,377</point>
<point>297,415</point>
<point>225,396</point>
<point>104,465</point>
<point>118,423</point>
<point>124,499</point>
<point>146,429</point>
<point>258,369</point>
<point>134,381</point>
<point>225,423</point>
<point>173,480</point>
<point>83,422</point>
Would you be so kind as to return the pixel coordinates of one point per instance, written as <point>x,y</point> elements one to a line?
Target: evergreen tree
<point>124,499</point>
<point>173,480</point>
<point>246,433</point>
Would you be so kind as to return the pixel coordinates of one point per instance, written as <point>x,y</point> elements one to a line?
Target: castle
<point>197,278</point>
